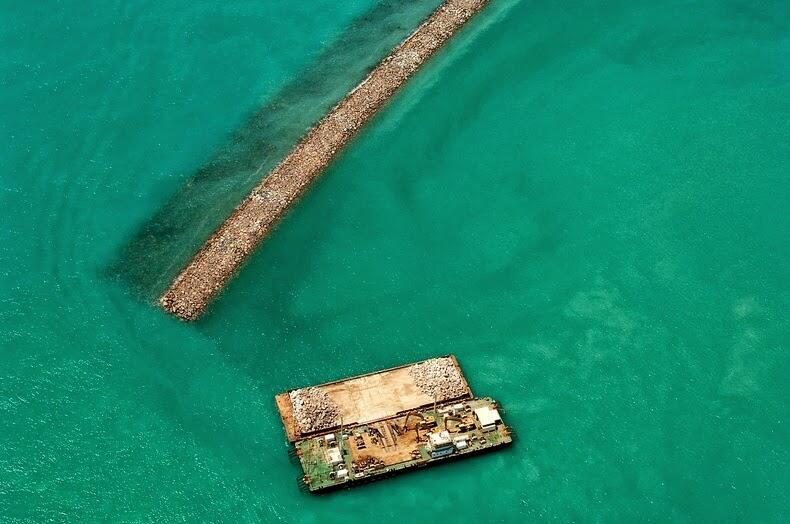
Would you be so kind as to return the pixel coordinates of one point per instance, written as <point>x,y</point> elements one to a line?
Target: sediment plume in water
<point>228,247</point>
<point>153,256</point>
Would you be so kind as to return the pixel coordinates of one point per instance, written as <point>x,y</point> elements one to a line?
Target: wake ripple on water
<point>69,179</point>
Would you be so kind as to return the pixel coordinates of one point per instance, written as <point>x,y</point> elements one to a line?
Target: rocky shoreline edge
<point>229,246</point>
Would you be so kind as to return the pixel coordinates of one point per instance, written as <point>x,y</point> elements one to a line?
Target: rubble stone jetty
<point>228,247</point>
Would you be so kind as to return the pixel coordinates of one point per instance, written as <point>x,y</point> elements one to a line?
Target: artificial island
<point>229,246</point>
<point>375,425</point>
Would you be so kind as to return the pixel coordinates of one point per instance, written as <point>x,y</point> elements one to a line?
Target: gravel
<point>226,250</point>
<point>313,410</point>
<point>439,378</point>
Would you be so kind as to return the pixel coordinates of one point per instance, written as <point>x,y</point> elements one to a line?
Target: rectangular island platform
<point>371,426</point>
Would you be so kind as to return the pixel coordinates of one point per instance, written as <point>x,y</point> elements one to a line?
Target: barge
<point>379,424</point>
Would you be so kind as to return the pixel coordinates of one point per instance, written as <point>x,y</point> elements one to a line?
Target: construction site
<point>371,426</point>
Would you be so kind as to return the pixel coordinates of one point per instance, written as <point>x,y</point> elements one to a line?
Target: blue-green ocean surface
<point>586,202</point>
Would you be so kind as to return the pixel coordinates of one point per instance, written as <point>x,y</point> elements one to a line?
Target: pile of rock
<point>313,410</point>
<point>227,248</point>
<point>439,378</point>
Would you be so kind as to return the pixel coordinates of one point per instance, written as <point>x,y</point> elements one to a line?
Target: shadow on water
<point>163,244</point>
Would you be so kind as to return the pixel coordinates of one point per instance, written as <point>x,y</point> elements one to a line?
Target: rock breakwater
<point>229,246</point>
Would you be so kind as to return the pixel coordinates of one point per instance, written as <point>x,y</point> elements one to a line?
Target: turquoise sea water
<point>586,203</point>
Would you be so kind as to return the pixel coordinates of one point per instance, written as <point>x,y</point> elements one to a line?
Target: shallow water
<point>586,204</point>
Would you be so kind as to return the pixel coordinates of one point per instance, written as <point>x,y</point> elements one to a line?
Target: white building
<point>334,457</point>
<point>440,444</point>
<point>488,417</point>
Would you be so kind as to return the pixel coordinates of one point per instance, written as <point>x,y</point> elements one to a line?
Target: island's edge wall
<point>229,246</point>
